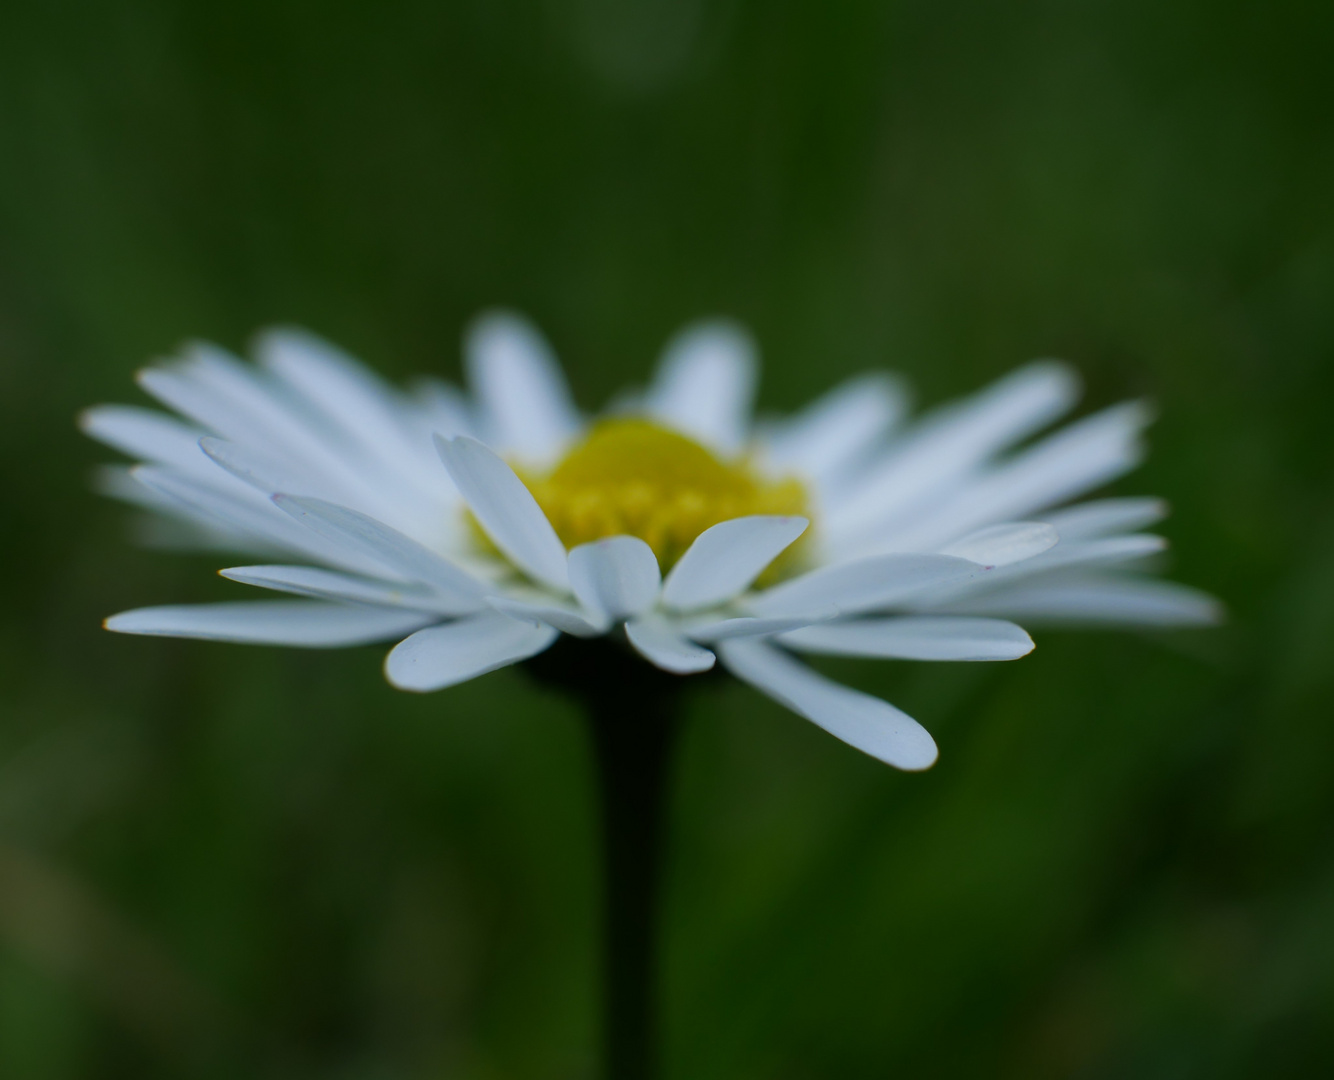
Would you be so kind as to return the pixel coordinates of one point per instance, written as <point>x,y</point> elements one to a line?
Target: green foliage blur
<point>219,861</point>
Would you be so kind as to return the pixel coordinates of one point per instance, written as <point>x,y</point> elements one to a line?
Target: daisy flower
<point>476,528</point>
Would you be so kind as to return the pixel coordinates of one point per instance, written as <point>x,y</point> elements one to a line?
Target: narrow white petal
<point>863,584</point>
<point>330,585</point>
<point>364,535</point>
<point>1099,600</point>
<point>233,400</point>
<point>455,652</point>
<point>705,384</point>
<point>362,405</point>
<point>873,726</point>
<point>617,576</point>
<point>171,525</point>
<point>246,512</point>
<point>145,434</point>
<point>506,510</point>
<point>1076,459</point>
<point>951,442</point>
<point>724,560</point>
<point>308,623</point>
<point>1000,545</point>
<point>565,617</point>
<point>1101,517</point>
<point>915,637</point>
<point>839,428</point>
<point>520,386</point>
<point>265,472</point>
<point>662,645</point>
<point>1109,551</point>
<point>708,630</point>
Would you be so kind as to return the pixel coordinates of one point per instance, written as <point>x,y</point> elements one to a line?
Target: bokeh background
<point>220,861</point>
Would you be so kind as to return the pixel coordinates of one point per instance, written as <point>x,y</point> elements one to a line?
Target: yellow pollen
<point>631,477</point>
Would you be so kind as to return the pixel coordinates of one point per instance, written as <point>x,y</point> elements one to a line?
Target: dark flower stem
<point>632,709</point>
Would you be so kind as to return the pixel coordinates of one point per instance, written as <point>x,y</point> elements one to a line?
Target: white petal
<point>873,726</point>
<point>171,525</point>
<point>956,439</point>
<point>455,652</point>
<point>1000,545</point>
<point>617,576</point>
<point>1102,600</point>
<point>839,428</point>
<point>368,411</point>
<point>705,384</point>
<point>145,434</point>
<point>863,584</point>
<point>662,645</point>
<point>915,637</point>
<point>367,537</point>
<point>1062,466</point>
<point>714,629</point>
<point>520,386</point>
<point>1118,551</point>
<point>506,510</point>
<point>232,400</point>
<point>724,560</point>
<point>331,585</point>
<point>246,512</point>
<point>564,617</point>
<point>1090,520</point>
<point>265,472</point>
<point>308,623</point>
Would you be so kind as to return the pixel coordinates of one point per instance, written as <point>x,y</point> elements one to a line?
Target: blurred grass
<point>218,861</point>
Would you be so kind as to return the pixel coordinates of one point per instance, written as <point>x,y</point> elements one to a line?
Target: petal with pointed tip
<point>506,510</point>
<point>309,623</point>
<point>726,559</point>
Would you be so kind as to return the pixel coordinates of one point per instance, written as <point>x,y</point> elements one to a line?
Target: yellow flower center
<point>631,477</point>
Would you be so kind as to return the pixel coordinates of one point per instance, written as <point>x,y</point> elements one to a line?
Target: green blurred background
<point>221,861</point>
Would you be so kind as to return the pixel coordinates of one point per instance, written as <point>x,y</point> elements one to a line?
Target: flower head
<point>477,529</point>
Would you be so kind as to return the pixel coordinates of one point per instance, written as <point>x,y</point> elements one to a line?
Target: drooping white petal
<point>950,443</point>
<point>1001,545</point>
<point>401,554</point>
<point>1101,517</point>
<point>863,584</point>
<point>839,428</point>
<point>617,576</point>
<point>563,616</point>
<point>145,434</point>
<point>915,637</point>
<point>708,629</point>
<point>705,384</point>
<point>662,645</point>
<point>724,560</point>
<point>455,652</point>
<point>330,585</point>
<point>309,623</point>
<point>873,726</point>
<point>526,403</point>
<point>506,510</point>
<point>1098,600</point>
